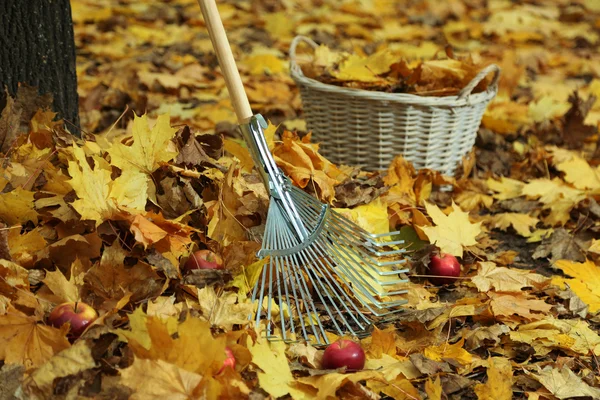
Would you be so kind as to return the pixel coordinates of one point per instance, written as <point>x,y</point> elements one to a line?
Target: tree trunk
<point>37,48</point>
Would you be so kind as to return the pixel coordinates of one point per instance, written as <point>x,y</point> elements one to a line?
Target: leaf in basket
<point>301,161</point>
<point>365,69</point>
<point>452,231</point>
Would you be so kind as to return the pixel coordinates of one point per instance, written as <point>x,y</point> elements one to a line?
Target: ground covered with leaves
<point>110,219</point>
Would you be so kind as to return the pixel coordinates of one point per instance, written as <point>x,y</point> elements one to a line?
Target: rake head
<point>324,271</point>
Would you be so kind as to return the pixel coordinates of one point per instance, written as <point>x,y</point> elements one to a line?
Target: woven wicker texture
<point>369,129</point>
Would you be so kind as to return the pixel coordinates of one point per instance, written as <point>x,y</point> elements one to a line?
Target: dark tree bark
<point>37,48</point>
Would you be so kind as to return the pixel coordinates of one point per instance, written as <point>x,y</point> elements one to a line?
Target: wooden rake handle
<point>235,87</point>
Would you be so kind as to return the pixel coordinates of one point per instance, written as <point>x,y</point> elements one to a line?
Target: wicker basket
<point>368,129</point>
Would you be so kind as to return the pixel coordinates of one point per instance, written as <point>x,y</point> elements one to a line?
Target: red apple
<point>78,314</point>
<point>204,259</point>
<point>446,265</point>
<point>344,353</point>
<point>229,361</point>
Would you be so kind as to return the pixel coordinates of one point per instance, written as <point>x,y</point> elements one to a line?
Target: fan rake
<point>323,270</point>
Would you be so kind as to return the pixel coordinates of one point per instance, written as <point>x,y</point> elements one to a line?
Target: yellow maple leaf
<point>505,279</point>
<point>505,188</point>
<point>365,69</point>
<point>499,383</point>
<point>92,186</point>
<point>65,289</point>
<point>23,340</point>
<point>261,62</point>
<point>16,207</point>
<point>522,223</point>
<point>390,367</point>
<point>580,174</point>
<point>452,231</point>
<point>328,384</point>
<point>453,351</point>
<point>556,196</point>
<point>223,311</point>
<point>275,376</point>
<point>23,247</point>
<point>194,349</point>
<point>241,152</point>
<point>150,149</point>
<point>372,217</point>
<point>382,342</point>
<point>70,361</point>
<point>158,379</point>
<point>434,389</point>
<point>585,282</point>
<point>547,108</point>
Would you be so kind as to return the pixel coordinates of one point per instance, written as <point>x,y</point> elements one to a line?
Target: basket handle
<point>293,65</point>
<point>479,77</point>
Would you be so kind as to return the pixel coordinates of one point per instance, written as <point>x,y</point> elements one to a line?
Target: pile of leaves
<point>387,70</point>
<point>110,219</point>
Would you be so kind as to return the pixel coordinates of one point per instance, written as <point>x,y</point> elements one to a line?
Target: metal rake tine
<point>368,261</point>
<point>309,260</point>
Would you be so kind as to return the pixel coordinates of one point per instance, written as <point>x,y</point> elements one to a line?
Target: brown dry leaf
<point>71,361</point>
<point>504,279</point>
<point>482,336</point>
<point>23,340</point>
<point>499,381</point>
<point>561,245</point>
<point>223,311</point>
<point>507,305</point>
<point>564,384</point>
<point>307,353</point>
<point>110,280</point>
<point>157,379</point>
<point>451,232</point>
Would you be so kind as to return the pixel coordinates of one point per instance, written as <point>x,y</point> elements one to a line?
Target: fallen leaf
<point>223,311</point>
<point>499,381</point>
<point>452,231</point>
<point>23,340</point>
<point>70,361</point>
<point>447,351</point>
<point>434,389</point>
<point>564,384</point>
<point>194,349</point>
<point>157,379</point>
<point>505,279</point>
<point>585,282</point>
<point>522,223</point>
<point>507,305</point>
<point>275,376</point>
